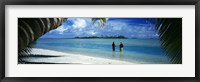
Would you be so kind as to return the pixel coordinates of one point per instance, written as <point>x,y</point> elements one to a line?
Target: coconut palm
<point>169,29</point>
<point>30,29</point>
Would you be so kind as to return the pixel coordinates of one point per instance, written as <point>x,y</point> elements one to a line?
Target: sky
<point>128,27</point>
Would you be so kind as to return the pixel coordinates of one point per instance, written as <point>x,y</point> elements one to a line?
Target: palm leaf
<point>30,29</point>
<point>170,34</point>
<point>102,21</point>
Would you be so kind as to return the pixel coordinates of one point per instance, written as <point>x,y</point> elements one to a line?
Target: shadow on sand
<point>26,62</point>
<point>21,61</point>
<point>38,55</point>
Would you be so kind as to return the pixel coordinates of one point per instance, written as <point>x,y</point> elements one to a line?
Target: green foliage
<point>170,33</point>
<point>30,29</point>
<point>102,21</point>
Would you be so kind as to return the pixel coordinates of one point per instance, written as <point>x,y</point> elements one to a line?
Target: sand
<point>50,56</point>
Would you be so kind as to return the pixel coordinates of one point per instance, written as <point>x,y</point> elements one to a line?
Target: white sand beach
<point>61,57</point>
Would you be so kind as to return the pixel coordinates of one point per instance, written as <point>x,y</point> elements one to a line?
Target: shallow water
<point>146,51</point>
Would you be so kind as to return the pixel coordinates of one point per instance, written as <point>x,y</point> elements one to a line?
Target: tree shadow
<point>38,55</point>
<point>21,61</point>
<point>27,62</point>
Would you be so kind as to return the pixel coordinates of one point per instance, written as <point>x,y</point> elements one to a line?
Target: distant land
<point>104,37</point>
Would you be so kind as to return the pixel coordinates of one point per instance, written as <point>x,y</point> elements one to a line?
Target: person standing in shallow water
<point>121,46</point>
<point>113,46</point>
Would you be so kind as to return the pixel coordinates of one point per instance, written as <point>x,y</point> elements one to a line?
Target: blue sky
<point>128,27</point>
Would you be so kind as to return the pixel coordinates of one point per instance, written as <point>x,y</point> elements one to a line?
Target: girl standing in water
<point>113,46</point>
<point>121,46</point>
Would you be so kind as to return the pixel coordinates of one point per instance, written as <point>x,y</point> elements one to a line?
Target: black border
<point>99,2</point>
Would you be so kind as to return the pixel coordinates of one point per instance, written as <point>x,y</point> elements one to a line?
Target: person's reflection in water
<point>121,53</point>
<point>113,54</point>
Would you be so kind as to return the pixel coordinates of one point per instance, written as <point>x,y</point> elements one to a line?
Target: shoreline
<point>55,57</point>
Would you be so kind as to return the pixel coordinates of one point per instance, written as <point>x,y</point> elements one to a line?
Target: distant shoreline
<point>103,37</point>
<point>99,38</point>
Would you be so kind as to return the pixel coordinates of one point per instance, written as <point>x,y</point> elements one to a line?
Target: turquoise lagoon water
<point>146,51</point>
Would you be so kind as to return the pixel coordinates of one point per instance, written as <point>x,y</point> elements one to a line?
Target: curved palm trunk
<point>30,29</point>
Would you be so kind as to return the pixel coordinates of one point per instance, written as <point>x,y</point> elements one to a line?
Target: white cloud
<point>61,29</point>
<point>114,25</point>
<point>91,32</point>
<point>117,28</point>
<point>79,23</point>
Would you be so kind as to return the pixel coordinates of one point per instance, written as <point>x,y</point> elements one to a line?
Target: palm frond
<point>102,21</point>
<point>30,29</point>
<point>170,34</point>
